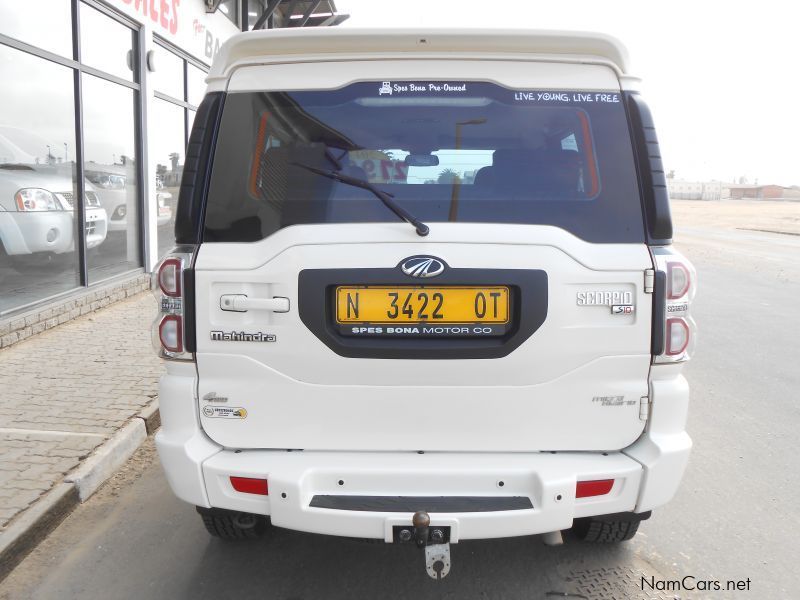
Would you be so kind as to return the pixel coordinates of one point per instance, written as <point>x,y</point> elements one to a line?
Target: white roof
<point>325,43</point>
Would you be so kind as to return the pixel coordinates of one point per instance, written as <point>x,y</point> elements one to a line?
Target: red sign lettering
<point>173,23</point>
<point>162,12</point>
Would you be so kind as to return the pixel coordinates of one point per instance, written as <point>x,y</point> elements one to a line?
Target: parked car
<point>447,313</point>
<point>37,215</point>
<point>118,199</point>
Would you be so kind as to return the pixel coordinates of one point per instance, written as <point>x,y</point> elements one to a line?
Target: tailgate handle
<point>241,303</point>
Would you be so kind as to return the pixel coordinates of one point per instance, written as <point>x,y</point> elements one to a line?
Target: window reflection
<point>37,183</point>
<point>196,78</point>
<point>47,25</point>
<point>106,44</point>
<point>168,76</point>
<point>170,121</point>
<point>230,8</point>
<point>110,165</point>
<point>254,10</point>
<point>167,143</point>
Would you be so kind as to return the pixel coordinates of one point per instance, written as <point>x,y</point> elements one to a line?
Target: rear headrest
<point>556,161</point>
<point>560,172</point>
<point>514,157</point>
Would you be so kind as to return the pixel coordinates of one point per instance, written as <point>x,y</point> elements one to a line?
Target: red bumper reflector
<point>249,485</point>
<point>599,487</point>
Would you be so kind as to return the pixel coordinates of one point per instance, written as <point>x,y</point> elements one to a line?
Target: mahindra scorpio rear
<point>424,292</point>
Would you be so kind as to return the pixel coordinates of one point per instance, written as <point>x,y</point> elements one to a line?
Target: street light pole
<point>457,181</point>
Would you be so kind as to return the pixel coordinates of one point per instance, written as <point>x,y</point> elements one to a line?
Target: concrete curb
<point>101,465</point>
<point>33,525</point>
<point>152,417</point>
<point>36,523</point>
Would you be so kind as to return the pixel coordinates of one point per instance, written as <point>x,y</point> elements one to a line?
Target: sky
<point>721,78</point>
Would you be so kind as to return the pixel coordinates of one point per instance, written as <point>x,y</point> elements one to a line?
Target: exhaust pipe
<point>552,538</point>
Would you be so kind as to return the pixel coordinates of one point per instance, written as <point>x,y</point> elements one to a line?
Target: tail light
<point>674,330</point>
<point>173,328</point>
<point>170,333</point>
<point>677,336</point>
<point>169,274</point>
<point>678,280</point>
<point>248,485</point>
<point>596,487</point>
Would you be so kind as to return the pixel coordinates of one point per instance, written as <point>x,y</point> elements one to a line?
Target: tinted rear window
<point>446,151</point>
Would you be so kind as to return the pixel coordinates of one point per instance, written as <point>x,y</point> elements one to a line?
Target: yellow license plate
<point>404,304</point>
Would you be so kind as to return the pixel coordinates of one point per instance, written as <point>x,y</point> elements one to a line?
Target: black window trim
<point>190,213</point>
<point>649,171</point>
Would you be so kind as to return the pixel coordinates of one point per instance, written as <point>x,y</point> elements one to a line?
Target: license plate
<point>422,310</point>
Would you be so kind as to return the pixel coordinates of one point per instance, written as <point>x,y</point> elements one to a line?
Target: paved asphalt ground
<point>735,516</point>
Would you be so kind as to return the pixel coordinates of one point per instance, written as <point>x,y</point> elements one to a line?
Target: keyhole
<point>438,567</point>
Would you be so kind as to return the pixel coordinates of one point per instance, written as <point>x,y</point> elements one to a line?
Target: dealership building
<point>95,111</point>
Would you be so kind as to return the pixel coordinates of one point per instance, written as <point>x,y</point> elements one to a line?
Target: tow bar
<point>436,542</point>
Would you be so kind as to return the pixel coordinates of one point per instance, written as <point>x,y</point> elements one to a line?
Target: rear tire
<point>607,530</point>
<point>232,525</point>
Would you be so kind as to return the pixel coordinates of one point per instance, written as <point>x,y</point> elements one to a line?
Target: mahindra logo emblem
<point>422,266</point>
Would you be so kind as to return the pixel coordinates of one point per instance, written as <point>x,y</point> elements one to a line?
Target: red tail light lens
<point>598,487</point>
<point>169,277</point>
<point>677,336</point>
<point>170,333</point>
<point>248,485</point>
<point>678,280</point>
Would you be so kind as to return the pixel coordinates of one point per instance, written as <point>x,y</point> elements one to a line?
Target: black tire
<point>230,525</point>
<point>598,530</point>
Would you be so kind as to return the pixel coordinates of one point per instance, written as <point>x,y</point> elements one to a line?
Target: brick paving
<point>66,391</point>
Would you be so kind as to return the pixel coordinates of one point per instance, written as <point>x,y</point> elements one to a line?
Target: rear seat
<point>561,171</point>
<point>552,172</point>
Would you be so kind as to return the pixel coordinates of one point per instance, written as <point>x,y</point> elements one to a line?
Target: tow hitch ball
<point>437,550</point>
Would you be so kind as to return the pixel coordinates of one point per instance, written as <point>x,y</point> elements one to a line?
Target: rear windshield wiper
<point>384,197</point>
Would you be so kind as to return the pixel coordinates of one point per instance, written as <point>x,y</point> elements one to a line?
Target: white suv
<point>452,312</point>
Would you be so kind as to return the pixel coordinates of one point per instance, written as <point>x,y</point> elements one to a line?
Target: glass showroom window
<point>167,140</point>
<point>37,180</point>
<point>46,25</point>
<point>110,148</point>
<point>46,161</point>
<point>110,162</point>
<point>179,84</point>
<point>106,44</point>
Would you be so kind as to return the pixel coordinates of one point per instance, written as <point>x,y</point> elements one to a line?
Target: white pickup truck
<point>424,291</point>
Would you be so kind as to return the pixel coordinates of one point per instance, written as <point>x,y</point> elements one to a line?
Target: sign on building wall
<point>185,23</point>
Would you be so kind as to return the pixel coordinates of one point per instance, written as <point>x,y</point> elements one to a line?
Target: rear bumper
<point>646,475</point>
<point>297,480</point>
